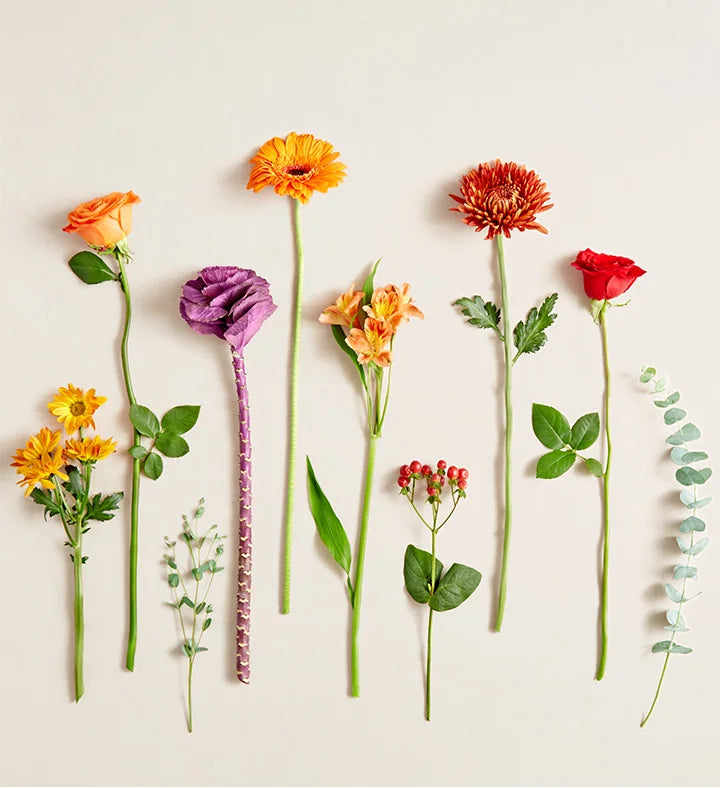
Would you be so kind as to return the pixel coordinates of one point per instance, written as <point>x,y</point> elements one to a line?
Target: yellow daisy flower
<point>89,449</point>
<point>74,407</point>
<point>36,462</point>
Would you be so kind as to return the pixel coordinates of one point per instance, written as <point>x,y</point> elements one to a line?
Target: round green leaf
<point>137,452</point>
<point>171,445</point>
<point>144,420</point>
<point>417,571</point>
<point>181,418</point>
<point>554,464</point>
<point>594,466</point>
<point>153,466</point>
<point>688,476</point>
<point>90,268</point>
<point>673,415</point>
<point>455,587</point>
<point>550,426</point>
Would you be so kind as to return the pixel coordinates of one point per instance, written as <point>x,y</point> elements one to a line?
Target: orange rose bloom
<point>105,220</point>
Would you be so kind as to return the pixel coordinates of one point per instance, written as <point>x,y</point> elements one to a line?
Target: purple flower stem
<point>244,577</point>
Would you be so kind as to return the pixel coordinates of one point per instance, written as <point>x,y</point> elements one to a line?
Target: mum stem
<point>507,529</point>
<point>135,494</point>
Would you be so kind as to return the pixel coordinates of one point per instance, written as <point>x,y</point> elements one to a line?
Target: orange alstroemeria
<point>393,305</point>
<point>344,311</point>
<point>372,342</point>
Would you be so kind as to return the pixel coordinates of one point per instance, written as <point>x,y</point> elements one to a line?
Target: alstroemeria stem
<point>507,347</point>
<point>244,577</point>
<point>360,566</point>
<point>135,499</point>
<point>78,613</point>
<point>292,438</point>
<point>606,502</point>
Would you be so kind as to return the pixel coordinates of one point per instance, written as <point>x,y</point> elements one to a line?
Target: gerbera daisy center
<point>298,170</point>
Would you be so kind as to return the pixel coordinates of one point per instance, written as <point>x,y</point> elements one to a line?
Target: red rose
<point>605,275</point>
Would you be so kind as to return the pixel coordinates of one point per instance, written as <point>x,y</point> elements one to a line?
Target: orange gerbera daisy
<point>502,196</point>
<point>37,463</point>
<point>74,407</point>
<point>297,166</point>
<point>345,310</point>
<point>89,449</point>
<point>372,342</point>
<point>393,304</point>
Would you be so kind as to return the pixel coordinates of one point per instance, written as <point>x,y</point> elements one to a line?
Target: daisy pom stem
<point>244,577</point>
<point>292,441</point>
<point>507,345</point>
<point>78,610</point>
<point>135,498</point>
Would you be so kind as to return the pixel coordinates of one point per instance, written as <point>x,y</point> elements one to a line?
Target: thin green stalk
<point>606,501</point>
<point>360,565</point>
<point>189,691</point>
<point>79,612</point>
<point>135,499</point>
<point>430,624</point>
<point>292,445</point>
<point>507,341</point>
<point>657,691</point>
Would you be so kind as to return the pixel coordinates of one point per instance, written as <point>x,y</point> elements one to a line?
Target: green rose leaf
<point>417,571</point>
<point>554,464</point>
<point>688,476</point>
<point>153,466</point>
<point>551,428</point>
<point>137,452</point>
<point>180,419</point>
<point>673,415</point>
<point>328,525</point>
<point>455,587</point>
<point>585,432</point>
<point>593,466</point>
<point>144,420</point>
<point>171,445</point>
<point>91,268</point>
<point>483,314</point>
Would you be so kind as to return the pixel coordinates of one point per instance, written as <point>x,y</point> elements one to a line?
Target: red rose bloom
<point>606,275</point>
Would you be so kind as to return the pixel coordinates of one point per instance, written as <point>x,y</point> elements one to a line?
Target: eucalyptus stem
<point>360,564</point>
<point>135,494</point>
<point>507,342</point>
<point>292,440</point>
<point>606,501</point>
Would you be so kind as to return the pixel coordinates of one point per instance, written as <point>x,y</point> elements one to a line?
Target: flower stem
<point>657,691</point>
<point>244,576</point>
<point>507,529</point>
<point>191,661</point>
<point>430,624</point>
<point>606,501</point>
<point>135,500</point>
<point>79,613</point>
<point>292,444</point>
<point>360,565</point>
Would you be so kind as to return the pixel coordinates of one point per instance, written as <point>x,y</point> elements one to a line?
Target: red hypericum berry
<point>442,465</point>
<point>432,491</point>
<point>442,481</point>
<point>415,466</point>
<point>462,483</point>
<point>436,478</point>
<point>403,481</point>
<point>426,470</point>
<point>463,473</point>
<point>405,470</point>
<point>452,472</point>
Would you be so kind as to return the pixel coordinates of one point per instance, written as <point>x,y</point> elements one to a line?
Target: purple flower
<point>229,302</point>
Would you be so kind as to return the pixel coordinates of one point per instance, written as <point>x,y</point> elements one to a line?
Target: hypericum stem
<point>430,623</point>
<point>135,495</point>
<point>78,612</point>
<point>606,501</point>
<point>244,576</point>
<point>292,438</point>
<point>360,565</point>
<point>507,340</point>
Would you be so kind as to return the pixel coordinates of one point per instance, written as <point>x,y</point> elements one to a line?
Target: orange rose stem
<point>606,501</point>
<point>507,345</point>
<point>135,499</point>
<point>375,431</point>
<point>292,446</point>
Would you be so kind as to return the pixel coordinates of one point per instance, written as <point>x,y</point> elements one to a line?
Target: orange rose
<point>103,221</point>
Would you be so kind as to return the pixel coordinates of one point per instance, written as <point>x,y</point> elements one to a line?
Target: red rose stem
<point>244,576</point>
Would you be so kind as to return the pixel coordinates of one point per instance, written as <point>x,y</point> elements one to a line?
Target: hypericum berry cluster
<point>435,480</point>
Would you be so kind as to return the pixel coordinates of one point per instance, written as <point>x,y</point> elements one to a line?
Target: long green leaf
<point>328,525</point>
<point>339,336</point>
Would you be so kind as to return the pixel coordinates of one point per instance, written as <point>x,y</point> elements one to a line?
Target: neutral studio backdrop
<point>615,106</point>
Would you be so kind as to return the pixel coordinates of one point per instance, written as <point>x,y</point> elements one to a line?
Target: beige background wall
<point>615,105</point>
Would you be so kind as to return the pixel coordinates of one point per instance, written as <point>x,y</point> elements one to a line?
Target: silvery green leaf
<point>661,403</point>
<point>688,432</point>
<point>674,415</point>
<point>688,498</point>
<point>676,648</point>
<point>677,453</point>
<point>692,524</point>
<point>682,571</point>
<point>675,619</point>
<point>647,373</point>
<point>673,593</point>
<point>671,628</point>
<point>688,476</point>
<point>674,397</point>
<point>661,646</point>
<point>660,384</point>
<point>694,549</point>
<point>694,456</point>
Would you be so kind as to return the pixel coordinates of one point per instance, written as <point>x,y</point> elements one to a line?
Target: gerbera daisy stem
<point>507,345</point>
<point>360,564</point>
<point>135,496</point>
<point>606,500</point>
<point>244,577</point>
<point>78,612</point>
<point>292,442</point>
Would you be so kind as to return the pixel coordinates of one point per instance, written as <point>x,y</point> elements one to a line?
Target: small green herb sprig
<point>191,585</point>
<point>690,477</point>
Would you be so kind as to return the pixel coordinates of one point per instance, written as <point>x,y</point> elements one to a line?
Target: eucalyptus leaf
<point>688,432</point>
<point>688,498</point>
<point>677,455</point>
<point>662,646</point>
<point>688,476</point>
<point>329,527</point>
<point>676,648</point>
<point>682,571</point>
<point>675,619</point>
<point>647,374</point>
<point>692,524</point>
<point>673,398</point>
<point>694,456</point>
<point>674,415</point>
<point>673,593</point>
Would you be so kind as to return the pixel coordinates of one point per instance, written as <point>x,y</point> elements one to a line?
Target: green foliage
<point>90,268</point>
<point>585,431</point>
<point>594,466</point>
<point>455,587</point>
<point>339,337</point>
<point>153,465</point>
<point>674,415</point>
<point>144,420</point>
<point>329,527</point>
<point>171,445</point>
<point>688,476</point>
<point>554,464</point>
<point>530,336</point>
<point>689,432</point>
<point>180,419</point>
<point>551,428</point>
<point>482,314</point>
<point>103,508</point>
<point>43,499</point>
<point>417,571</point>
<point>368,284</point>
<point>137,452</point>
